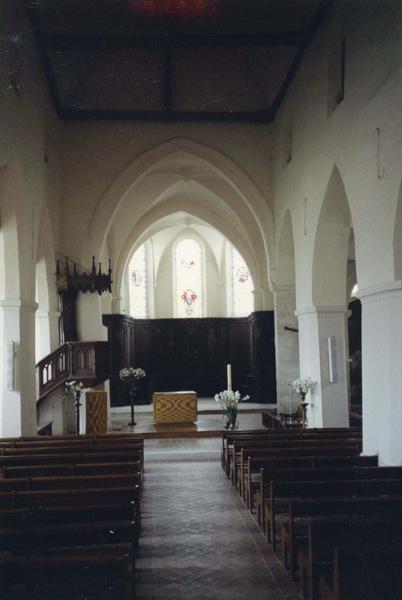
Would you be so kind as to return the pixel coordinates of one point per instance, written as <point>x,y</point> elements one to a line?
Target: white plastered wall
<point>29,174</point>
<point>360,138</point>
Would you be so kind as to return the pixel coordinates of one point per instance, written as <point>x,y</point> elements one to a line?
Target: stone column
<point>18,401</point>
<point>47,332</point>
<point>329,404</point>
<point>286,344</point>
<point>116,305</point>
<point>382,372</point>
<point>263,299</point>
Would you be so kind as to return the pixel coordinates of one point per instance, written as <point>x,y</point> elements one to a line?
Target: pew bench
<point>252,478</point>
<point>282,491</point>
<point>357,535</point>
<point>230,437</point>
<point>80,570</point>
<point>371,573</point>
<point>294,528</point>
<point>304,447</point>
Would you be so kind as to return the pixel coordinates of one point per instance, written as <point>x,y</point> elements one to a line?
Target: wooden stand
<point>96,412</point>
<point>131,393</point>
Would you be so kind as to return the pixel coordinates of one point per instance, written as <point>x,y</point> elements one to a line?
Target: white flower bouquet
<point>302,386</point>
<point>229,401</point>
<point>131,373</point>
<point>74,387</point>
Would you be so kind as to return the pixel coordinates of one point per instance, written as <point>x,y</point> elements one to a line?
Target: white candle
<point>229,376</point>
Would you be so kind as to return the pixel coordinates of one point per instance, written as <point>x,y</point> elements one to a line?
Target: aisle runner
<point>198,541</point>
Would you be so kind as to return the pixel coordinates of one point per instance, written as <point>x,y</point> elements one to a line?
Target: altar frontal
<point>175,407</point>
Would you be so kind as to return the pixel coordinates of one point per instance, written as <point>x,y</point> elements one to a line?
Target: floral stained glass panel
<point>138,284</point>
<point>242,287</point>
<point>188,271</point>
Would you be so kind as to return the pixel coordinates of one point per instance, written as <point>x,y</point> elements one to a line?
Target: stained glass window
<point>137,273</point>
<point>188,278</point>
<point>242,287</point>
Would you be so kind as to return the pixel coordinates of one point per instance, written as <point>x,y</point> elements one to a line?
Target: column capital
<point>377,292</point>
<point>17,304</point>
<point>320,310</point>
<point>283,289</point>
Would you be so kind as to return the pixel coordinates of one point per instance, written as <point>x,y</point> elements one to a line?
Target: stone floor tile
<point>199,542</point>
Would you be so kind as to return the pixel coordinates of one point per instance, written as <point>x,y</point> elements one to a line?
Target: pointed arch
<point>140,232</point>
<point>248,199</point>
<point>331,245</point>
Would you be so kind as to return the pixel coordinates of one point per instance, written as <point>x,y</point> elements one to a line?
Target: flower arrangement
<point>131,373</point>
<point>74,387</point>
<point>302,386</point>
<point>229,400</point>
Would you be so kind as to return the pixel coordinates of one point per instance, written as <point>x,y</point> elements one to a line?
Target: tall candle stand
<point>131,392</point>
<point>77,411</point>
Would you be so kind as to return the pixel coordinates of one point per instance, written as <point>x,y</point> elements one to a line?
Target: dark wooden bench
<point>256,474</point>
<point>228,438</point>
<point>72,469</point>
<point>370,573</point>
<point>354,447</point>
<point>84,570</point>
<point>73,458</point>
<point>316,556</point>
<point>284,490</point>
<point>294,528</point>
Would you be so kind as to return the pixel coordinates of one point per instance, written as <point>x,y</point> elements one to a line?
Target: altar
<point>175,407</point>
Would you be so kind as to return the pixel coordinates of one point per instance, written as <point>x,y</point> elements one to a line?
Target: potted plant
<point>132,376</point>
<point>76,389</point>
<point>229,400</point>
<point>302,386</point>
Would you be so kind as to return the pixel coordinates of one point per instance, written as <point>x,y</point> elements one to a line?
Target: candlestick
<point>290,398</point>
<point>229,376</point>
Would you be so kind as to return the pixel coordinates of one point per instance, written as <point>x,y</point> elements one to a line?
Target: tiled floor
<point>199,543</point>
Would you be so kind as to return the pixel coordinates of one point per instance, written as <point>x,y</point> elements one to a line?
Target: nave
<point>198,540</point>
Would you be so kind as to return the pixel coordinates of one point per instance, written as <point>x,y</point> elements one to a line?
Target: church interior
<point>200,291</point>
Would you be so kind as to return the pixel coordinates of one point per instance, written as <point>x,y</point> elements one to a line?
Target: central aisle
<point>199,543</point>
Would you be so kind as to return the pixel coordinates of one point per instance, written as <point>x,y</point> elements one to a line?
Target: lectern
<point>96,412</point>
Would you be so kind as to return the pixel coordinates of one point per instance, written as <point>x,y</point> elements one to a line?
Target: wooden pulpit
<point>96,412</point>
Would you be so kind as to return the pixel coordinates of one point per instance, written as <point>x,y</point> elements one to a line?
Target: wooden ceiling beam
<point>74,114</point>
<point>59,42</point>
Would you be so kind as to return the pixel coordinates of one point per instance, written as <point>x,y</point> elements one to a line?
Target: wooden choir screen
<point>192,354</point>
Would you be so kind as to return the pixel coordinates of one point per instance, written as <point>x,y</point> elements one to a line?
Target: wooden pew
<point>70,568</point>
<point>280,490</point>
<point>294,529</point>
<point>369,573</point>
<point>256,475</point>
<point>296,448</point>
<point>73,458</point>
<point>260,447</point>
<point>326,533</point>
<point>229,437</point>
<point>70,469</point>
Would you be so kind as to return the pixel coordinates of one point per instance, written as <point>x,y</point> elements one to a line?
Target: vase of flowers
<point>302,386</point>
<point>229,400</point>
<point>75,388</point>
<point>132,377</point>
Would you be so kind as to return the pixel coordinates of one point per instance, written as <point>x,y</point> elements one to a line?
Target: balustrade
<point>83,361</point>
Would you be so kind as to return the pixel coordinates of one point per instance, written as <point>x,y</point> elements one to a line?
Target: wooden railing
<point>88,362</point>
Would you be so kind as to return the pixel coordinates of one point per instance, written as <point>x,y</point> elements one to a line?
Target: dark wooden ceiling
<point>172,60</point>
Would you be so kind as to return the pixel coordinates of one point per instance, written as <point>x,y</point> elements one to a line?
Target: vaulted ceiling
<point>222,60</point>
